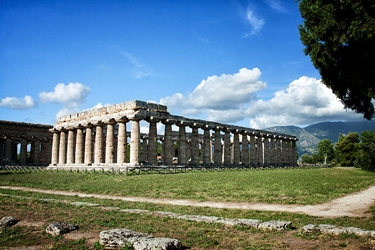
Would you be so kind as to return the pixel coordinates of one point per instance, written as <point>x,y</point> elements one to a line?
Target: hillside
<point>309,137</point>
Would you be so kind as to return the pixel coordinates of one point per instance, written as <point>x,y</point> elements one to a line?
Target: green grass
<point>301,186</point>
<point>286,186</point>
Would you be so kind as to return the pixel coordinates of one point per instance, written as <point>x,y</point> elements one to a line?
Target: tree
<point>325,150</point>
<point>339,37</point>
<point>366,151</point>
<point>346,149</point>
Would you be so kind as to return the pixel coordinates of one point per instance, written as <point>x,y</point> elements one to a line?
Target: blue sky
<point>237,62</point>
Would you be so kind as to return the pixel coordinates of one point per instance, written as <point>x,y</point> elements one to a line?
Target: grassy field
<point>294,186</point>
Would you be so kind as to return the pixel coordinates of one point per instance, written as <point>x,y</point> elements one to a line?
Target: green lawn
<point>288,186</point>
<point>300,186</point>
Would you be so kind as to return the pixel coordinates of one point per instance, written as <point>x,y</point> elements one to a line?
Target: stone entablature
<point>25,143</point>
<point>99,137</point>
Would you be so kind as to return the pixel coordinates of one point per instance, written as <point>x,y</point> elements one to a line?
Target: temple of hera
<point>99,138</point>
<point>25,143</point>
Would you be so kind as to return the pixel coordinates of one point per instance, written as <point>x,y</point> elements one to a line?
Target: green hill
<point>309,137</point>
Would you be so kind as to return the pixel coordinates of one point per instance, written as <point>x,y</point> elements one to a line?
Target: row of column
<point>25,151</point>
<point>106,143</point>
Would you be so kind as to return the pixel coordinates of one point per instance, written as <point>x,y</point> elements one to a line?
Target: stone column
<point>182,145</point>
<point>88,145</point>
<point>109,143</point>
<point>121,142</point>
<point>227,148</point>
<point>70,147</point>
<point>236,148</point>
<point>55,148</point>
<point>295,153</point>
<point>217,146</point>
<point>36,146</point>
<point>152,142</point>
<point>144,148</point>
<point>206,150</point>
<point>266,151</point>
<point>168,146</point>
<point>253,150</point>
<point>260,147</point>
<point>62,149</point>
<point>79,146</point>
<point>23,152</point>
<point>134,142</point>
<point>99,143</point>
<point>8,149</point>
<point>194,144</point>
<point>245,149</point>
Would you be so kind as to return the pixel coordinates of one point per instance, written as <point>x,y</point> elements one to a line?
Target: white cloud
<point>69,95</point>
<point>276,5</point>
<point>219,95</point>
<point>139,69</point>
<point>304,102</point>
<point>255,22</point>
<point>18,103</point>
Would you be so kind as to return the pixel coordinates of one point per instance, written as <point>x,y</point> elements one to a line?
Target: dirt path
<point>356,204</point>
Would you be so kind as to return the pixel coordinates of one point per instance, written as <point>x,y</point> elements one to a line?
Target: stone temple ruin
<point>25,143</point>
<point>99,138</point>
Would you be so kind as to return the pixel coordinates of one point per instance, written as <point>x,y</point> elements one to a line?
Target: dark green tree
<point>325,150</point>
<point>366,151</point>
<point>346,149</point>
<point>339,37</point>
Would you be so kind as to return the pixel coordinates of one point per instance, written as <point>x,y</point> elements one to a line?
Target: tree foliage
<point>346,149</point>
<point>366,151</point>
<point>339,37</point>
<point>325,150</point>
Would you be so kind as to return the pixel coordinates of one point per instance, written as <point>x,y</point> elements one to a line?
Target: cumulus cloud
<point>255,22</point>
<point>232,98</point>
<point>68,95</point>
<point>305,101</point>
<point>18,103</point>
<point>226,92</point>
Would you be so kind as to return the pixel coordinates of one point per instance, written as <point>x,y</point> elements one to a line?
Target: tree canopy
<point>325,150</point>
<point>339,37</point>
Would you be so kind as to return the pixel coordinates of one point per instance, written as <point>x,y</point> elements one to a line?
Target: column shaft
<point>194,146</point>
<point>55,148</point>
<point>245,150</point>
<point>37,151</point>
<point>227,148</point>
<point>99,144</point>
<point>206,147</point>
<point>182,145</point>
<point>109,144</point>
<point>79,146</point>
<point>152,144</point>
<point>88,146</point>
<point>62,149</point>
<point>70,147</point>
<point>23,152</point>
<point>134,142</point>
<point>168,145</point>
<point>144,149</point>
<point>217,148</point>
<point>121,143</point>
<point>236,148</point>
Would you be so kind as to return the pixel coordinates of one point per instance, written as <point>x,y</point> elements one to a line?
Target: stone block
<point>275,225</point>
<point>60,228</point>
<point>7,221</point>
<point>157,244</point>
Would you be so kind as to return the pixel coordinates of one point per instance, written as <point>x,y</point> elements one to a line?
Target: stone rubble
<point>121,237</point>
<point>60,228</point>
<point>336,230</point>
<point>7,221</point>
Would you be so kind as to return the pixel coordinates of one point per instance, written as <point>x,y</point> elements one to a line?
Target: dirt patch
<point>353,205</point>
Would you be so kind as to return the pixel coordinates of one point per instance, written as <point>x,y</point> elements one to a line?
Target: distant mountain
<point>309,137</point>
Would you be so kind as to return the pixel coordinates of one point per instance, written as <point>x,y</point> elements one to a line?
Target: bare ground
<point>356,204</point>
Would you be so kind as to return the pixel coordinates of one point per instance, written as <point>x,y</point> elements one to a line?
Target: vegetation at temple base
<point>350,150</point>
<point>339,37</point>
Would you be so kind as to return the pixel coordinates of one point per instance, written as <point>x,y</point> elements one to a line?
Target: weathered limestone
<point>105,132</point>
<point>122,237</point>
<point>7,221</point>
<point>59,228</point>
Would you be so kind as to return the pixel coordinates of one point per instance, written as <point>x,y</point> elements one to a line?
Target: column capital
<point>168,121</point>
<point>183,123</point>
<point>153,119</point>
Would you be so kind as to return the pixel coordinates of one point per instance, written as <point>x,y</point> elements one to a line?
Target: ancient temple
<point>101,137</point>
<point>24,143</point>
